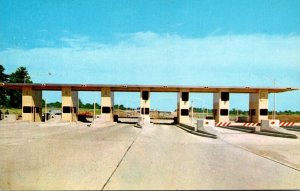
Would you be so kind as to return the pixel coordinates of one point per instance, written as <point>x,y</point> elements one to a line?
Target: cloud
<point>151,58</point>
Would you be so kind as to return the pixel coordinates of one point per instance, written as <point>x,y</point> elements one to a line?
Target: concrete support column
<point>183,106</point>
<point>69,104</point>
<point>258,106</point>
<point>31,104</point>
<point>107,104</point>
<point>145,103</point>
<point>221,107</point>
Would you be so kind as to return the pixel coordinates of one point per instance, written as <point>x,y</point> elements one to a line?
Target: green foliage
<point>9,97</point>
<point>3,92</point>
<point>88,105</point>
<point>288,112</point>
<point>3,76</point>
<point>235,111</point>
<point>21,75</point>
<point>54,105</point>
<point>81,105</point>
<point>122,107</point>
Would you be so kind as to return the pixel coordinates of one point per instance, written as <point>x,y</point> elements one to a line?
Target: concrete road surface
<point>120,156</point>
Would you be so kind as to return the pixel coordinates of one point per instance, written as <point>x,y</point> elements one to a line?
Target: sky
<point>162,42</point>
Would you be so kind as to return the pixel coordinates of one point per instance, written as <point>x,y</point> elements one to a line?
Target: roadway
<point>120,156</point>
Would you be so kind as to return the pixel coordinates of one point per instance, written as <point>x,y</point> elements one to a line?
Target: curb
<point>266,133</point>
<point>203,134</point>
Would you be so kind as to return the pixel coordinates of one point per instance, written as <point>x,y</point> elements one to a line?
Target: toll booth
<point>221,106</point>
<point>145,105</point>
<point>258,106</point>
<point>107,103</point>
<point>31,104</point>
<point>69,102</point>
<point>183,106</point>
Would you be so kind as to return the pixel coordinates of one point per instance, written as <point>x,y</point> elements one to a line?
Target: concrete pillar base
<point>272,125</point>
<point>144,121</point>
<point>207,126</point>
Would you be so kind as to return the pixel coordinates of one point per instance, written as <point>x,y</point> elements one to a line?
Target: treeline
<point>122,107</point>
<point>13,98</point>
<point>57,104</point>
<point>232,111</point>
<point>88,105</point>
<point>288,112</point>
<point>242,112</point>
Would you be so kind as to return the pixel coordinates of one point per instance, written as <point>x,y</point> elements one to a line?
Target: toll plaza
<point>32,99</point>
<point>208,154</point>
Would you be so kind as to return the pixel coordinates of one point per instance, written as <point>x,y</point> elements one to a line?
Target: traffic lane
<point>283,150</point>
<point>166,157</point>
<point>77,159</point>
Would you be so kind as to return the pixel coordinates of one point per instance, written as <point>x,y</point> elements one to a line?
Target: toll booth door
<point>36,111</point>
<point>251,114</point>
<point>215,112</point>
<point>33,109</point>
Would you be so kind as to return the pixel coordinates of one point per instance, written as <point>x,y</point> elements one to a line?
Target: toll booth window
<point>105,109</point>
<point>224,96</point>
<point>185,96</point>
<point>145,95</point>
<point>146,111</point>
<point>66,109</point>
<point>224,112</point>
<point>27,109</point>
<point>184,112</point>
<point>263,111</point>
<point>37,110</point>
<point>74,110</point>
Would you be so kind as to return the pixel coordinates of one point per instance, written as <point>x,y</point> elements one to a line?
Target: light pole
<point>192,111</point>
<point>118,107</point>
<point>46,111</point>
<point>274,103</point>
<point>25,77</point>
<point>274,94</point>
<point>94,110</point>
<point>202,107</point>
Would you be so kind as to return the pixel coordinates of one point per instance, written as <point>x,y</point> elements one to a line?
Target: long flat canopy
<point>151,88</point>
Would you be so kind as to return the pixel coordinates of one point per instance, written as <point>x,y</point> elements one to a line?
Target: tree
<point>3,95</point>
<point>88,106</point>
<point>81,105</point>
<point>21,75</point>
<point>56,104</point>
<point>43,103</point>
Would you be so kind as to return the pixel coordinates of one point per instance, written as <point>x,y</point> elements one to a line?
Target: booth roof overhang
<point>151,88</point>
